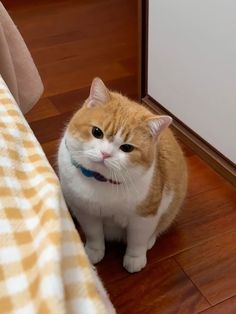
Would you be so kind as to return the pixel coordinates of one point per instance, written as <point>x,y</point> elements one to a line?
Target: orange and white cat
<point>123,174</point>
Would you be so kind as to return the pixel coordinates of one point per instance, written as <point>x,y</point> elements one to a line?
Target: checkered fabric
<point>43,266</point>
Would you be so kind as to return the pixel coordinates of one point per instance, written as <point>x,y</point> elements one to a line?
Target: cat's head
<point>113,135</point>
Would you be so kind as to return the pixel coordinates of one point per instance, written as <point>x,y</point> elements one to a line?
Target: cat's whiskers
<point>113,177</point>
<point>89,154</point>
<point>117,166</point>
<point>129,178</point>
<point>126,188</point>
<point>84,151</point>
<point>75,150</point>
<point>117,185</point>
<point>111,174</point>
<point>75,153</point>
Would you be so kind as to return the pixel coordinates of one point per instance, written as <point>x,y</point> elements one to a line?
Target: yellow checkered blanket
<point>43,266</point>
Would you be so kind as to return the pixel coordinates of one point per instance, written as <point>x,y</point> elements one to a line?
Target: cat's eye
<point>127,148</point>
<point>97,132</point>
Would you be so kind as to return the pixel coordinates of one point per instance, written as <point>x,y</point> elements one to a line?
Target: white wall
<point>192,66</point>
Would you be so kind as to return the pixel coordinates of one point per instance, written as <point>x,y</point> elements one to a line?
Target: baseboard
<point>203,149</point>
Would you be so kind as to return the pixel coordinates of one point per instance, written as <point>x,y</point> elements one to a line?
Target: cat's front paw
<point>95,255</point>
<point>134,264</point>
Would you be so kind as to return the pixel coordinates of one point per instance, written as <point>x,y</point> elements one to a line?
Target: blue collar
<point>90,173</point>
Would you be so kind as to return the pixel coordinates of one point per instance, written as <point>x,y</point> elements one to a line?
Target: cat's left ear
<point>99,94</point>
<point>158,124</point>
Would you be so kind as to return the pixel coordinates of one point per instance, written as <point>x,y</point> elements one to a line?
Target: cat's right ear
<point>99,94</point>
<point>158,124</point>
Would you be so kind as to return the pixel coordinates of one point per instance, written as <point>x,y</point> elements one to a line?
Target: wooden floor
<point>191,269</point>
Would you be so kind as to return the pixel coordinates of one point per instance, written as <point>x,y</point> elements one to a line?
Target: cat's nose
<point>105,155</point>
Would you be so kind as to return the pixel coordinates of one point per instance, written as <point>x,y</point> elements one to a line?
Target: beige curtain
<point>16,64</point>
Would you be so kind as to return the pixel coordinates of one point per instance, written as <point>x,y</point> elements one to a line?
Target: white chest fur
<point>100,198</point>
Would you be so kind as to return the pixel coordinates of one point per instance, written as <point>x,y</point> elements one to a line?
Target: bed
<point>43,265</point>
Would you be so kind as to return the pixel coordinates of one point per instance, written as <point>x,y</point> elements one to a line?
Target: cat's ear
<point>99,94</point>
<point>157,124</point>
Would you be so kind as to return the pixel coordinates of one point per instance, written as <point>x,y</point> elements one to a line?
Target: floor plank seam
<point>221,302</point>
<point>194,284</point>
<point>191,247</point>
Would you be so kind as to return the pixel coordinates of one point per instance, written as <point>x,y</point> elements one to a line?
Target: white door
<point>192,66</point>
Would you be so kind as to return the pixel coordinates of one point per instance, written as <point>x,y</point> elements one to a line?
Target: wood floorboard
<point>203,218</point>
<point>160,288</point>
<point>212,267</point>
<point>50,129</point>
<point>50,149</point>
<point>42,110</point>
<point>226,307</point>
<point>192,268</point>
